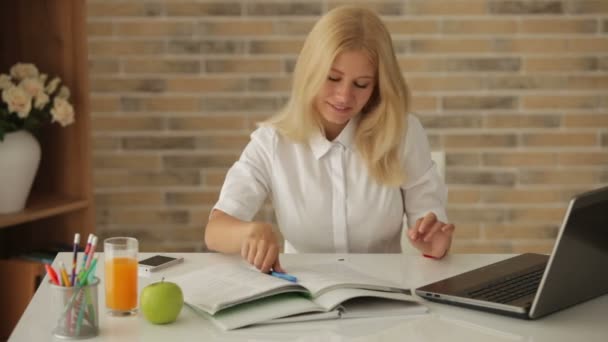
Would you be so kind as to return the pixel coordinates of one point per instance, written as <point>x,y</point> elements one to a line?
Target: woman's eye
<point>358,85</point>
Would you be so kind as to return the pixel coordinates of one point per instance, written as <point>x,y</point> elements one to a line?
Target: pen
<point>284,276</point>
<point>52,274</point>
<point>75,259</point>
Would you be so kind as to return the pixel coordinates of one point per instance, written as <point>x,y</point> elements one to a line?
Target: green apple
<point>161,302</point>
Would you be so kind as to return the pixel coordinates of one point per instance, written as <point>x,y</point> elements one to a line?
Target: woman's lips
<point>338,108</point>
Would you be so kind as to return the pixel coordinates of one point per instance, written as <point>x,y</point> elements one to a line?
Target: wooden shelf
<point>27,274</point>
<point>60,203</point>
<point>42,207</point>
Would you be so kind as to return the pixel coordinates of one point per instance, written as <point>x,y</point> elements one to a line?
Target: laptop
<point>532,285</point>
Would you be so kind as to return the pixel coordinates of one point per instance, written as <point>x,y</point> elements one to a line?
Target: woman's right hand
<point>260,247</point>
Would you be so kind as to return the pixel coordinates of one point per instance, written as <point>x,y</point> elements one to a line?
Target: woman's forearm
<point>255,241</point>
<point>225,233</point>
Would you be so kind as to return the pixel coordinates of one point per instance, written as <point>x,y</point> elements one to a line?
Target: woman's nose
<point>343,92</point>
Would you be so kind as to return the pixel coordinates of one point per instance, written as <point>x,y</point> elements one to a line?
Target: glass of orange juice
<point>120,258</point>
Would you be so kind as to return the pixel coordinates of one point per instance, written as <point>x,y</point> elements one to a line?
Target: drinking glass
<point>120,258</point>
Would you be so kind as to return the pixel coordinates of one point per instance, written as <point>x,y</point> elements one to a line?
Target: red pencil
<point>51,272</point>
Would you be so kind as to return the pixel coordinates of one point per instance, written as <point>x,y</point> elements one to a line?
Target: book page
<point>329,300</point>
<point>320,278</point>
<point>222,285</point>
<point>266,310</point>
<point>306,317</point>
<point>364,307</point>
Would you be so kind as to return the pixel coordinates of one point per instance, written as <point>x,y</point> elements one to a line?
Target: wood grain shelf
<point>60,203</point>
<point>43,207</point>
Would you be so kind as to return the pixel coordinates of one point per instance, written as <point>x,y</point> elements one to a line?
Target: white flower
<point>5,81</point>
<point>52,86</point>
<point>32,99</point>
<point>64,93</point>
<point>32,86</point>
<point>41,100</point>
<point>62,112</point>
<point>18,101</point>
<point>24,70</point>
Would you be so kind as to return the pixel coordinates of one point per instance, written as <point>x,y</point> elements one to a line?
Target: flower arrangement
<point>28,101</point>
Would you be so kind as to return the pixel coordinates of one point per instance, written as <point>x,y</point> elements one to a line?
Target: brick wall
<point>513,91</point>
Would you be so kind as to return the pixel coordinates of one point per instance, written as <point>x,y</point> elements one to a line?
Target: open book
<point>234,294</point>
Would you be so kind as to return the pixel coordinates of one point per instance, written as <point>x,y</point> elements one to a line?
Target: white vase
<point>19,160</point>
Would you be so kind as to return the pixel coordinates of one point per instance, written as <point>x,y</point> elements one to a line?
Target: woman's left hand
<point>431,236</point>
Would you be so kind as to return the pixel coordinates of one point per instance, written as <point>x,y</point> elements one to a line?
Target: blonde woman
<point>345,165</point>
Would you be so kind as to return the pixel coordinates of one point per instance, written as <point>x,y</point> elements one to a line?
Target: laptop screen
<point>576,270</point>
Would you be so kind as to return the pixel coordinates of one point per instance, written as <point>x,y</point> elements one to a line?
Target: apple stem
<point>162,280</point>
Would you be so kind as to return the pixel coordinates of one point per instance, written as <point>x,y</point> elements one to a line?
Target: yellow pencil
<point>64,274</point>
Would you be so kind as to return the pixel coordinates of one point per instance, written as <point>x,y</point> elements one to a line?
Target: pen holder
<point>75,310</point>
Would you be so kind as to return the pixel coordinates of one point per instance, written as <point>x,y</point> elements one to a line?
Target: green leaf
<point>4,113</point>
<point>31,123</point>
<point>8,122</point>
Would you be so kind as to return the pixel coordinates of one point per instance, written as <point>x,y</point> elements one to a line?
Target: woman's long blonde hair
<point>383,120</point>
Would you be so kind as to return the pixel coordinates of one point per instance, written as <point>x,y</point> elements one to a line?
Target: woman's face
<point>348,87</point>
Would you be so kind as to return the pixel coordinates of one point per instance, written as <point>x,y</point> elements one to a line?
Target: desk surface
<point>584,322</point>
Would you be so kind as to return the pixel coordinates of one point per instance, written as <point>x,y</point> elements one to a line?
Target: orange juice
<point>121,284</point>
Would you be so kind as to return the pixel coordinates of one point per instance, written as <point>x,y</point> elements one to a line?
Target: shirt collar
<point>320,145</point>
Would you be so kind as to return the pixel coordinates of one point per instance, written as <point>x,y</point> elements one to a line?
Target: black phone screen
<point>156,260</point>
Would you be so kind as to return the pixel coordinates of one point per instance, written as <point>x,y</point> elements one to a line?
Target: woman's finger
<point>448,228</point>
<point>262,249</point>
<point>252,252</point>
<point>245,250</point>
<point>269,259</point>
<point>411,233</point>
<point>431,232</point>
<point>277,265</point>
<point>427,222</point>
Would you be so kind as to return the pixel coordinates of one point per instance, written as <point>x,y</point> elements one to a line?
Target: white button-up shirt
<point>324,199</point>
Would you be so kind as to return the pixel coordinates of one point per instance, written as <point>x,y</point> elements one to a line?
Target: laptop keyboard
<point>510,288</point>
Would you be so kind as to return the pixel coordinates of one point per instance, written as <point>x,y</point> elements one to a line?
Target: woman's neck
<point>332,130</point>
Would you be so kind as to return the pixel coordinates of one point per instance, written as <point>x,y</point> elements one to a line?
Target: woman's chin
<point>338,118</point>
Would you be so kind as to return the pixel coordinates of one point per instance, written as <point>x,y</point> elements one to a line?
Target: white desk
<point>585,322</point>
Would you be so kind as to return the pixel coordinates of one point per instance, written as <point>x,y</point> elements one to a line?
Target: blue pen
<point>284,276</point>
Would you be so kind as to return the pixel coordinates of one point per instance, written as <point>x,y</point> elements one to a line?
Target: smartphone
<point>158,262</point>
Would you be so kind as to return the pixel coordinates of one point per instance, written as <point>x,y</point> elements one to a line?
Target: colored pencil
<point>75,258</point>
